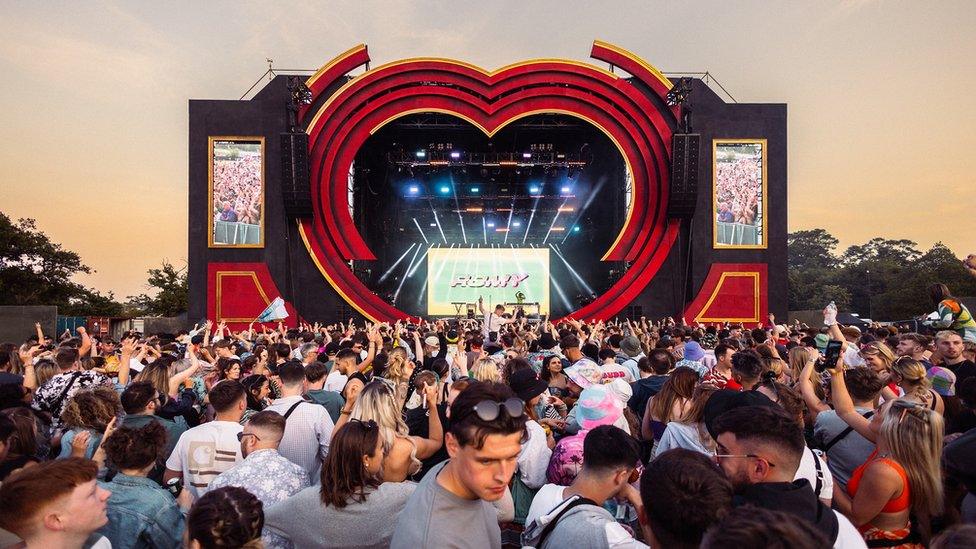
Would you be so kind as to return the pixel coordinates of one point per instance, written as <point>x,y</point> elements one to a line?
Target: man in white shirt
<point>493,321</point>
<point>211,448</point>
<point>308,427</point>
<point>343,366</point>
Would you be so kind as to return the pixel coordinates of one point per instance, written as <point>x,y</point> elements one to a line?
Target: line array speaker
<point>683,197</point>
<point>295,188</point>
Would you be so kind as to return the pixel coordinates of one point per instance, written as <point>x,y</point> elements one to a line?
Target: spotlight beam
<point>416,265</point>
<point>572,271</point>
<point>396,294</point>
<point>438,221</point>
<point>421,230</point>
<point>553,224</point>
<point>390,270</point>
<point>484,227</point>
<point>531,215</point>
<point>508,226</point>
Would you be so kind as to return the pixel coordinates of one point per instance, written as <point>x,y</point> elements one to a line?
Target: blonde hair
<point>798,357</point>
<point>914,434</point>
<point>158,375</point>
<point>377,402</point>
<point>44,370</point>
<point>397,365</point>
<point>777,366</point>
<point>883,351</point>
<point>912,373</point>
<point>485,369</point>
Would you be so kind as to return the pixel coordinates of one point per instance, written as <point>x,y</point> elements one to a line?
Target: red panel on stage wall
<point>732,292</point>
<point>239,292</point>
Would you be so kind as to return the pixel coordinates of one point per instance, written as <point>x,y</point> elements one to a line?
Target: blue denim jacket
<point>141,513</point>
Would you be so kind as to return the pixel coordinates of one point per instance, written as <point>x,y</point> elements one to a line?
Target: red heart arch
<point>640,126</point>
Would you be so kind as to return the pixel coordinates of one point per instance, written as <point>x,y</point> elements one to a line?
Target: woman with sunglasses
<point>895,494</point>
<point>353,506</point>
<point>402,453</point>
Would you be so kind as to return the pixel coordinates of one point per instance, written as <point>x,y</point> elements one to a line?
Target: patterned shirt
<point>267,475</point>
<point>48,396</point>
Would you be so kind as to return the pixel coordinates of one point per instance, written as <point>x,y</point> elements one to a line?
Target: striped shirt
<point>204,452</point>
<point>308,431</point>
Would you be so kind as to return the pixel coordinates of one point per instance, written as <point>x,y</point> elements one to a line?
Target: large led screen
<point>497,275</point>
<point>739,199</point>
<point>236,192</point>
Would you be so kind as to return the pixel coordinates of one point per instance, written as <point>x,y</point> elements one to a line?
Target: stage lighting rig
<point>678,97</point>
<point>299,95</point>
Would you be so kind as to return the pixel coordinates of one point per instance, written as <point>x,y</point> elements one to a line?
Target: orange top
<point>901,502</point>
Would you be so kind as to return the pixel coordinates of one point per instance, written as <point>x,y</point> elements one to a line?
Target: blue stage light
<point>576,229</point>
<point>455,155</point>
<point>526,155</point>
<point>534,189</point>
<point>491,223</point>
<point>475,189</point>
<point>516,223</point>
<point>421,154</point>
<point>445,189</point>
<point>413,189</point>
<point>564,190</point>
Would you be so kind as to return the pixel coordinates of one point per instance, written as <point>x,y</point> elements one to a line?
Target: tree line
<point>882,279</point>
<point>34,270</point>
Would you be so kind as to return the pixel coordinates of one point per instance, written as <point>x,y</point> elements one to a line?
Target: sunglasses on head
<point>489,410</point>
<point>369,424</point>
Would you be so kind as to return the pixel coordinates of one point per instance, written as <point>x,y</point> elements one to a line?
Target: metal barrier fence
<point>738,234</point>
<point>236,233</point>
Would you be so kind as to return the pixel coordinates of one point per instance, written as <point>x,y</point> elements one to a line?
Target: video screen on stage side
<point>237,192</point>
<point>497,275</point>
<point>740,193</point>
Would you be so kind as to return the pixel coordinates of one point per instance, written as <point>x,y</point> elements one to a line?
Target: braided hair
<point>227,517</point>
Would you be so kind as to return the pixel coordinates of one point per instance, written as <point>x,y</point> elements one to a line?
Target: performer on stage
<point>493,321</point>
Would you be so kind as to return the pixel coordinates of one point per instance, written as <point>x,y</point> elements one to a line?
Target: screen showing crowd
<point>740,194</point>
<point>237,200</point>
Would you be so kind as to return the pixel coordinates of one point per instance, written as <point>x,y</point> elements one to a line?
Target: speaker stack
<point>683,197</point>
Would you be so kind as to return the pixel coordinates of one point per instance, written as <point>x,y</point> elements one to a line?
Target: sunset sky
<point>882,125</point>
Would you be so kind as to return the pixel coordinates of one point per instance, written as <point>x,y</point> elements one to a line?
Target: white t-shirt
<point>847,536</point>
<point>533,460</point>
<point>204,452</point>
<point>335,381</point>
<point>808,470</point>
<point>545,500</point>
<point>616,371</point>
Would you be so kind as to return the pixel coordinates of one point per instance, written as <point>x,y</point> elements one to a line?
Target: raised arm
<point>128,348</point>
<point>427,447</point>
<point>844,405</point>
<point>807,389</point>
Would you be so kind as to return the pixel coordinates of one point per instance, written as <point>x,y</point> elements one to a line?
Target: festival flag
<point>274,311</point>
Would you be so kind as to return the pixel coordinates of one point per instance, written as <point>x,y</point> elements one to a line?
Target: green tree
<point>811,249</point>
<point>33,269</point>
<point>171,292</point>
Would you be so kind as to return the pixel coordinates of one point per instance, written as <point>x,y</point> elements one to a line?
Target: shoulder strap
<point>844,433</point>
<point>56,405</point>
<point>820,474</point>
<point>555,520</point>
<point>292,409</point>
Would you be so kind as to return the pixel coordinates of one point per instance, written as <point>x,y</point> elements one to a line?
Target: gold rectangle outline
<point>718,287</point>
<point>219,275</point>
<point>765,189</point>
<point>264,204</point>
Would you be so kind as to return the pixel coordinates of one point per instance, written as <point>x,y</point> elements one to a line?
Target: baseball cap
<point>526,384</point>
<point>727,399</point>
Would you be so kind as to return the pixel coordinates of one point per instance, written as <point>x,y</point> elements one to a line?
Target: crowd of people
<point>738,191</point>
<point>495,432</point>
<point>237,192</point>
